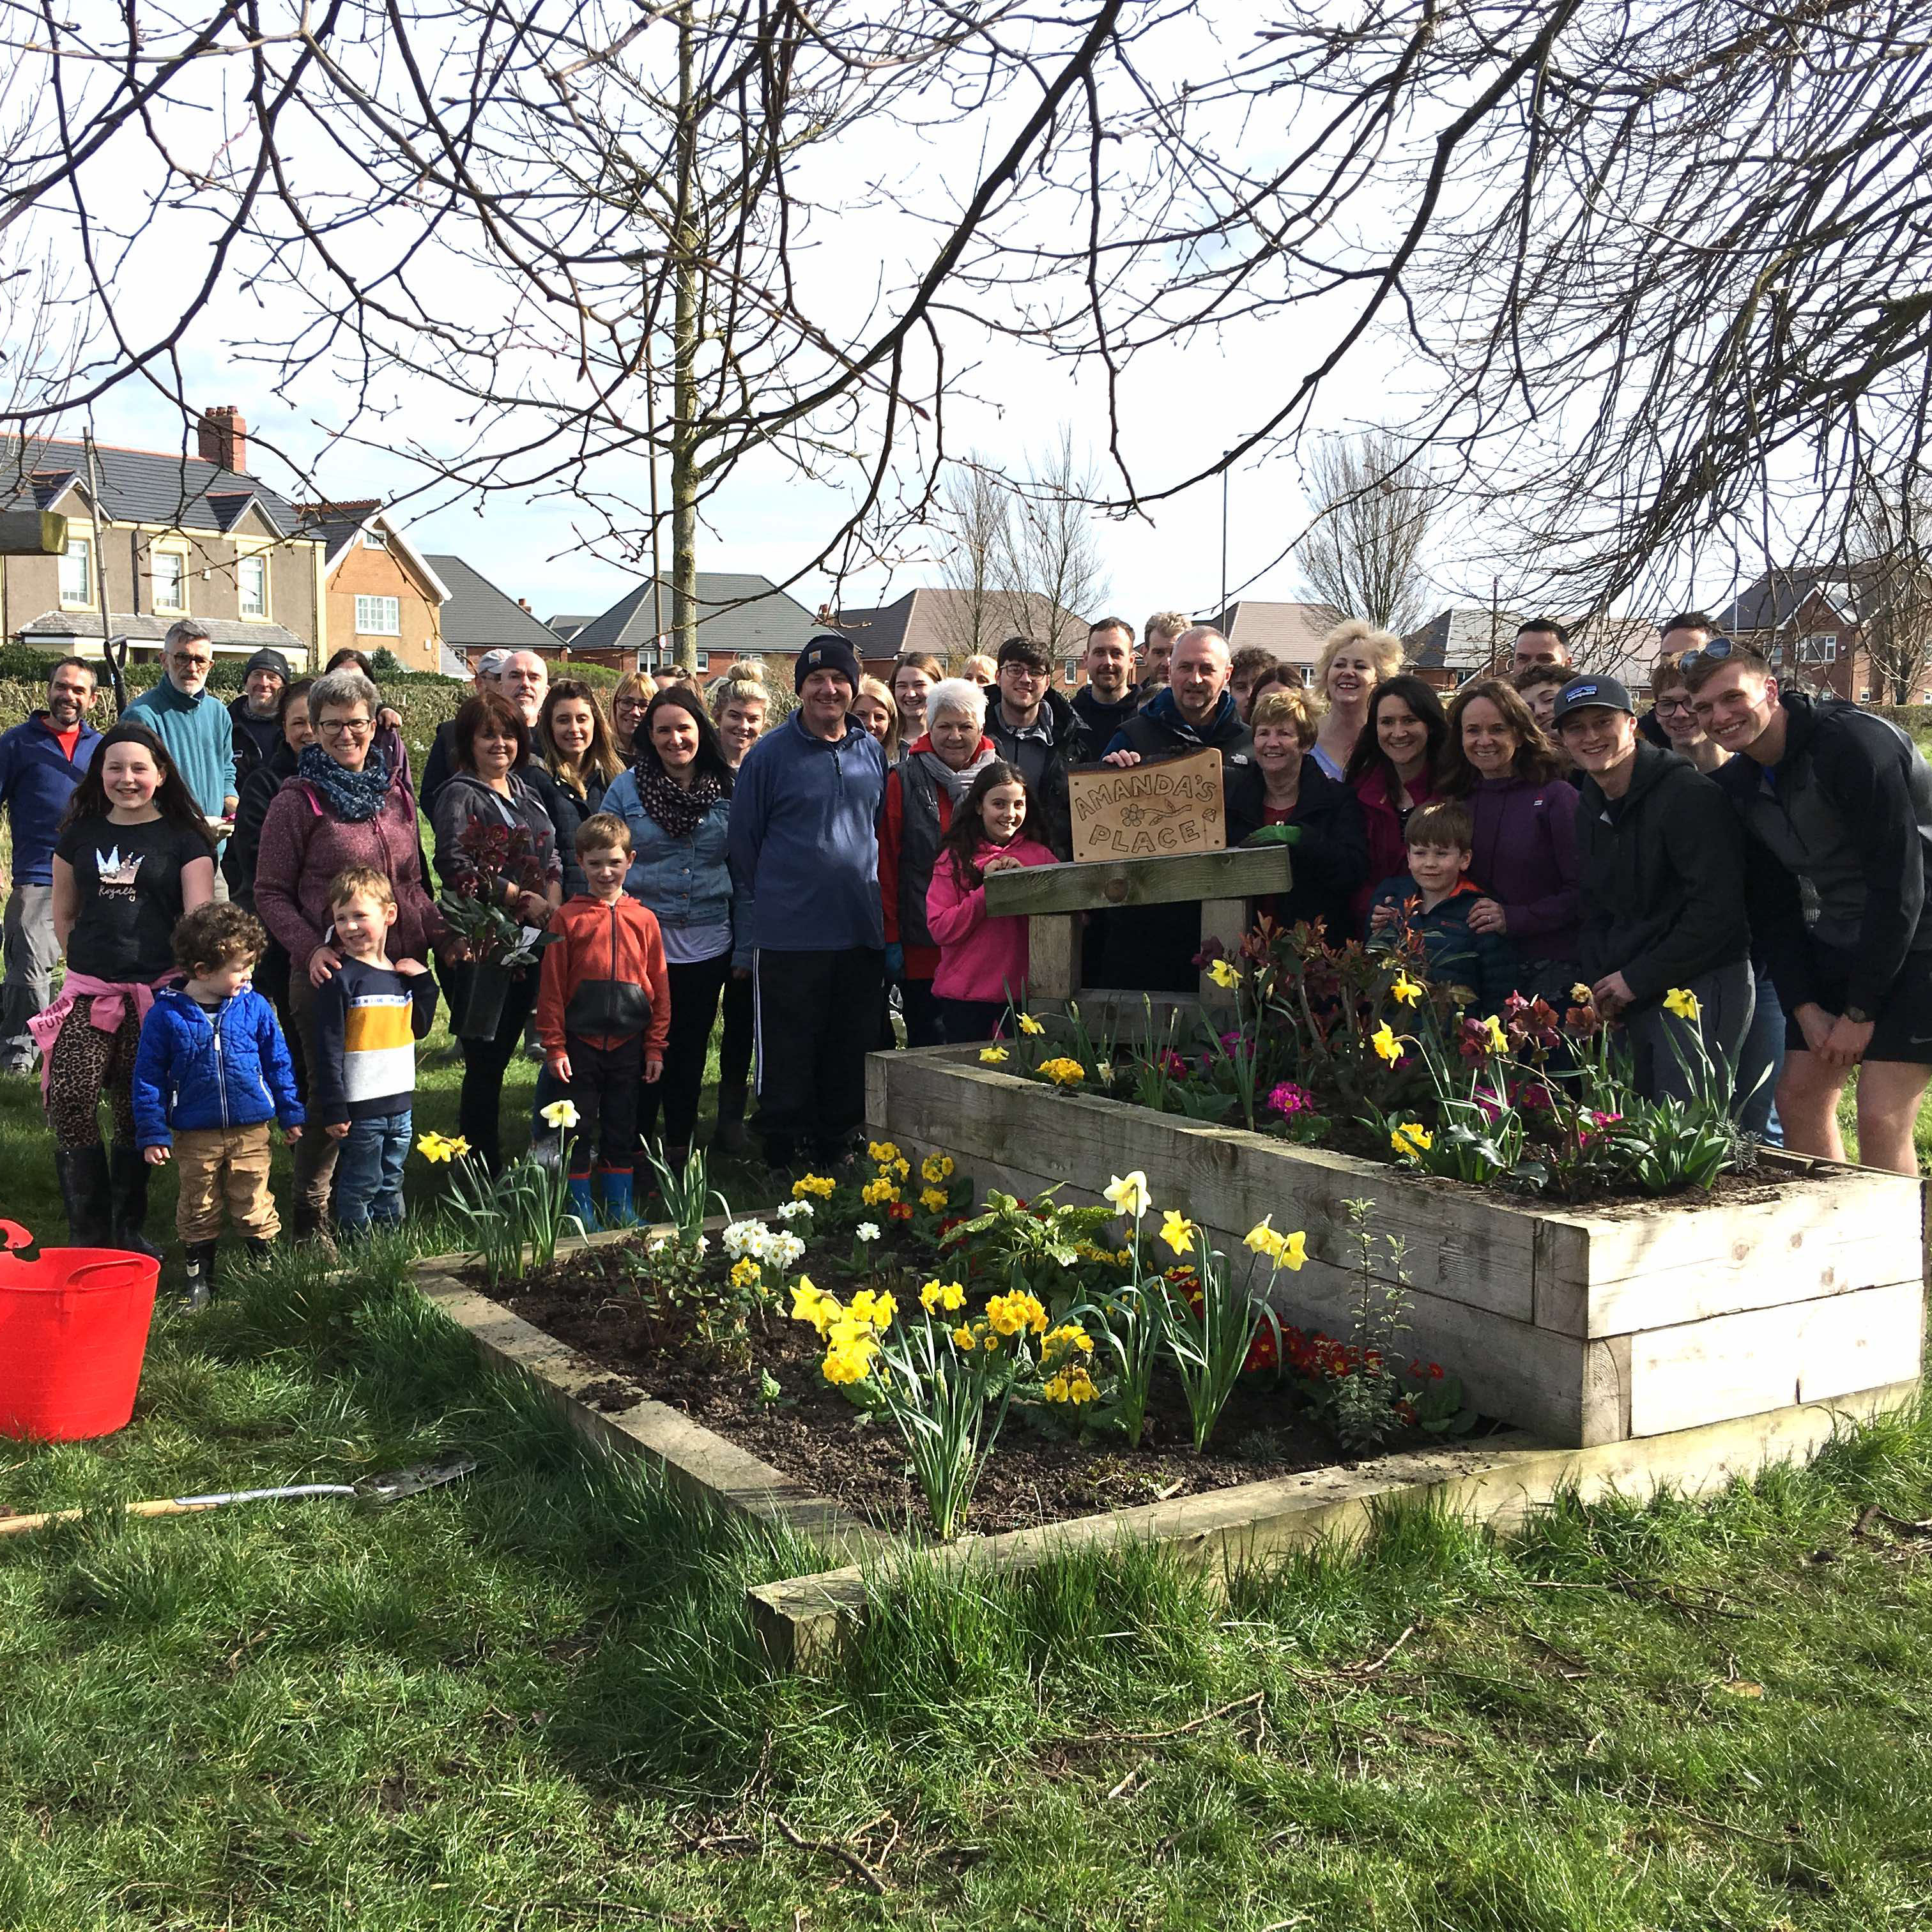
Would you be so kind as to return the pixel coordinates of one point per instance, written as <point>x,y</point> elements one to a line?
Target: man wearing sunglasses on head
<point>1841,801</point>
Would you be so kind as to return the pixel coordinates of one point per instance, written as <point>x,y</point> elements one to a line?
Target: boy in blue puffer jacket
<point>213,1070</point>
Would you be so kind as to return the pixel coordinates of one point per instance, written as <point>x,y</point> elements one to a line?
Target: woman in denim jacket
<point>677,800</point>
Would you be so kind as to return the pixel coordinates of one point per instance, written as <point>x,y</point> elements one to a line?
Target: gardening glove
<point>894,961</point>
<point>1275,834</point>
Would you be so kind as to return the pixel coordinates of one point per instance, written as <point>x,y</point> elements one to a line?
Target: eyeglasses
<point>360,727</point>
<point>184,662</point>
<point>631,704</point>
<point>1665,706</point>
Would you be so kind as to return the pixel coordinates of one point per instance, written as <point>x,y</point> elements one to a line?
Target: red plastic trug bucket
<point>74,1329</point>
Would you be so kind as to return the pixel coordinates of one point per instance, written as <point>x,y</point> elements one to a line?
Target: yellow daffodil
<point>936,1168</point>
<point>442,1147</point>
<point>949,1295</point>
<point>1406,991</point>
<point>1261,1237</point>
<point>1582,993</point>
<point>992,1056</point>
<point>1127,1194</point>
<point>1178,1231</point>
<point>932,1198</point>
<point>1412,1137</point>
<point>807,1299</point>
<point>1497,1040</point>
<point>561,1114</point>
<point>1384,1041</point>
<point>1030,1026</point>
<point>1223,973</point>
<point>1292,1251</point>
<point>1684,1003</point>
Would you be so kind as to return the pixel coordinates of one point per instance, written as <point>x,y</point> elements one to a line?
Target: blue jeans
<point>369,1172</point>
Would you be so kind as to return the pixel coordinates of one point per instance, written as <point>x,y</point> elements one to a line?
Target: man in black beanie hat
<point>257,726</point>
<point>805,811</point>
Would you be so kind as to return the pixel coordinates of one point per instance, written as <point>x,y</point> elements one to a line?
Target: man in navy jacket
<point>804,813</point>
<point>40,763</point>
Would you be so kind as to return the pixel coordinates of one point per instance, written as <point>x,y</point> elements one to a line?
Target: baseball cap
<point>1581,693</point>
<point>491,663</point>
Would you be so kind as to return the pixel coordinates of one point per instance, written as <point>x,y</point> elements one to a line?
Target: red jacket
<point>603,978</point>
<point>1388,851</point>
<point>921,962</point>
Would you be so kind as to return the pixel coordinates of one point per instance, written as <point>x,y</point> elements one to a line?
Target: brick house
<point>478,617</point>
<point>1295,633</point>
<point>740,615</point>
<point>381,593</point>
<point>170,536</point>
<point>1472,641</point>
<point>950,624</point>
<point>1810,625</point>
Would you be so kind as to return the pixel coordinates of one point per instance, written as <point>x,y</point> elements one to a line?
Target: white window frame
<point>367,624</point>
<point>373,539</point>
<point>155,553</point>
<point>251,560</point>
<point>79,549</point>
<point>1818,647</point>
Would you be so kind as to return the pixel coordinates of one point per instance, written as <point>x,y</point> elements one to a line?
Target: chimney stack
<point>224,437</point>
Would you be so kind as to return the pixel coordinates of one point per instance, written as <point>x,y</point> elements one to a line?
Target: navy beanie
<point>827,652</point>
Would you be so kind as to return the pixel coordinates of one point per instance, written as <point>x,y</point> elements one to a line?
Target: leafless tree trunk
<point>976,512</point>
<point>1892,583</point>
<point>1055,577</point>
<point>1374,505</point>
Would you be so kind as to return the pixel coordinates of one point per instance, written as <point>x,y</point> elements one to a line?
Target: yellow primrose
<point>1178,1231</point>
<point>884,1152</point>
<point>1063,1072</point>
<point>1412,1137</point>
<point>1028,1025</point>
<point>1224,974</point>
<point>746,1274</point>
<point>1681,1001</point>
<point>949,1295</point>
<point>902,1167</point>
<point>932,1198</point>
<point>819,1184</point>
<point>1384,1041</point>
<point>964,1338</point>
<point>850,1362</point>
<point>876,1193</point>
<point>1013,1314</point>
<point>1127,1194</point>
<point>992,1056</point>
<point>1406,991</point>
<point>936,1168</point>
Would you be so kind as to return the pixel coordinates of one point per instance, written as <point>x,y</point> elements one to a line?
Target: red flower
<point>900,1210</point>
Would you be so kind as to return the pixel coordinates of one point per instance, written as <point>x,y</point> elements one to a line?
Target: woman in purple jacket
<point>1499,764</point>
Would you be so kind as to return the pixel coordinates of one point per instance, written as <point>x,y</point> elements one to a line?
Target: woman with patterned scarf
<point>344,806</point>
<point>936,771</point>
<point>677,800</point>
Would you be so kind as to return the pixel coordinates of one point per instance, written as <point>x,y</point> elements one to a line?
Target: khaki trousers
<point>218,1165</point>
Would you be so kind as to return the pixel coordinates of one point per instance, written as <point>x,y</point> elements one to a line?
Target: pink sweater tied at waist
<point>110,998</point>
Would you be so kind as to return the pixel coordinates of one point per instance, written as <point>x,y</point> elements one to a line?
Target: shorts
<point>1903,1028</point>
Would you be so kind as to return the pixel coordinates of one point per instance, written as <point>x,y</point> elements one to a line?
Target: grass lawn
<point>532,1702</point>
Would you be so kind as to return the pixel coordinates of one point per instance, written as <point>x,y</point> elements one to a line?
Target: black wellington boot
<point>198,1290</point>
<point>83,1185</point>
<point>128,1187</point>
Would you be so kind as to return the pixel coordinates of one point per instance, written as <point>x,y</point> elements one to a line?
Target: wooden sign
<point>1158,809</point>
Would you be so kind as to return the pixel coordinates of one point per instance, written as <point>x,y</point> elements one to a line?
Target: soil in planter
<point>813,1435</point>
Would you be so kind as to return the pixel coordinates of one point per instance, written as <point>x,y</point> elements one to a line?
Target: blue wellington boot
<point>618,1212</point>
<point>581,1204</point>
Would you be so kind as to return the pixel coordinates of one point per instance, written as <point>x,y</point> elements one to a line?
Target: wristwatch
<point>1857,1016</point>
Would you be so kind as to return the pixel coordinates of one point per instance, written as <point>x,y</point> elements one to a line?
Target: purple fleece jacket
<point>1525,859</point>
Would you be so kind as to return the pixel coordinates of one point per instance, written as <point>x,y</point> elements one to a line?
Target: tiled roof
<point>476,616</point>
<point>1776,598</point>
<point>1462,640</point>
<point>137,486</point>
<point>739,614</point>
<point>1293,632</point>
<point>226,633</point>
<point>938,622</point>
<point>567,628</point>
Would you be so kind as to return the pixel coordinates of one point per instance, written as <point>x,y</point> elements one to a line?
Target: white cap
<point>491,663</point>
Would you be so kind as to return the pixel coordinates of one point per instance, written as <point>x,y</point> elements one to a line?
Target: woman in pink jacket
<point>982,959</point>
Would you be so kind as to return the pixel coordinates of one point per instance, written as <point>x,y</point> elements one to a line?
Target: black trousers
<point>924,1026</point>
<point>734,1050</point>
<point>479,1111</point>
<point>694,1008</point>
<point>968,1020</point>
<point>818,1015</point>
<point>604,1085</point>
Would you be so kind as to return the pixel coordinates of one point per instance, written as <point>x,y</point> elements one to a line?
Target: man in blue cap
<point>804,813</point>
<point>1662,879</point>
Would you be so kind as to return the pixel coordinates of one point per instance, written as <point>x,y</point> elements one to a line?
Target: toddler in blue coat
<point>212,1072</point>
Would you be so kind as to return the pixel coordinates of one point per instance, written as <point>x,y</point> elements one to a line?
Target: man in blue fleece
<point>804,844</point>
<point>40,763</point>
<point>194,726</point>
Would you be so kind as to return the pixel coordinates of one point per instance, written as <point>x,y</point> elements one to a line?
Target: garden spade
<point>374,1492</point>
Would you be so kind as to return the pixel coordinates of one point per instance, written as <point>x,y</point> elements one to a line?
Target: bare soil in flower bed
<point>814,1435</point>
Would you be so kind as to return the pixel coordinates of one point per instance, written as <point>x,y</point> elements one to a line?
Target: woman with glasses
<point>628,703</point>
<point>344,806</point>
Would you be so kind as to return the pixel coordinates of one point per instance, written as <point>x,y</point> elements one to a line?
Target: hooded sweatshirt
<point>804,841</point>
<point>981,957</point>
<point>604,979</point>
<point>200,736</point>
<point>1662,876</point>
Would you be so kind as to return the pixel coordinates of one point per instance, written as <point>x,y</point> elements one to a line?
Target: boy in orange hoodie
<point>604,1014</point>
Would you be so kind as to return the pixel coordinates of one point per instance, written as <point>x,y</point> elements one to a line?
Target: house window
<point>375,539</point>
<point>1822,647</point>
<point>251,583</point>
<point>379,617</point>
<point>1069,671</point>
<point>167,571</point>
<point>76,572</point>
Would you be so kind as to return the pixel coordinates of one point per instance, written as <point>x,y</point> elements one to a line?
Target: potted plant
<point>490,858</point>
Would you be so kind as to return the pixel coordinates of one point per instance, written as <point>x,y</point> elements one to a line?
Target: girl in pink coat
<point>982,959</point>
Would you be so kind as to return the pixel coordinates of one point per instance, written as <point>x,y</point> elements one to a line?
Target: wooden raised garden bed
<point>1801,1283</point>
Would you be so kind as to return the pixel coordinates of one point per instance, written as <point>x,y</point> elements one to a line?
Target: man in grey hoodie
<point>805,812</point>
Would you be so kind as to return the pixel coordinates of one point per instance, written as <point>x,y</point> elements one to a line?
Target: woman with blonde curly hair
<point>1355,658</point>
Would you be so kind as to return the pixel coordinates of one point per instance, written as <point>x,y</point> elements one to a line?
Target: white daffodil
<point>561,1114</point>
<point>1128,1194</point>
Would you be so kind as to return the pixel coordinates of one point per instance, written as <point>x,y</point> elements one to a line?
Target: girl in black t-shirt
<point>133,855</point>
